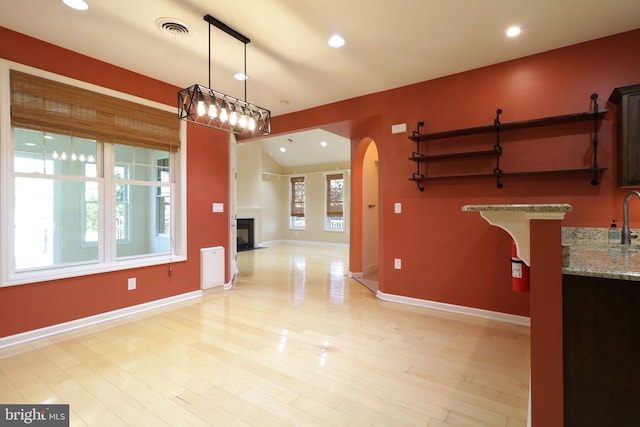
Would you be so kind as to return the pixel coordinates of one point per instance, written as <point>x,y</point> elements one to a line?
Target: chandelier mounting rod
<point>224,27</point>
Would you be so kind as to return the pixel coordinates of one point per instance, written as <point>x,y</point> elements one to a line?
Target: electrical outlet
<point>131,283</point>
<point>397,264</point>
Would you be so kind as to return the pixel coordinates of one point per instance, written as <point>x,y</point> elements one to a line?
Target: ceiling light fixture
<point>513,31</point>
<point>203,105</point>
<point>323,143</point>
<point>336,41</point>
<point>76,4</point>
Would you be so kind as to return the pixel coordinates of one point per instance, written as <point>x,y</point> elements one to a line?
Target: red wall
<point>27,307</point>
<point>455,257</point>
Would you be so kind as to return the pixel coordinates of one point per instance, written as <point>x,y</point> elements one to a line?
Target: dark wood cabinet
<point>627,101</point>
<point>601,351</point>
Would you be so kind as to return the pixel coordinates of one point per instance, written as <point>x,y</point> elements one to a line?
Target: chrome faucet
<point>626,232</point>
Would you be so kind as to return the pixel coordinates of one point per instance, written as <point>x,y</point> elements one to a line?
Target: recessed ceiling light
<point>77,4</point>
<point>240,76</point>
<point>513,31</point>
<point>336,41</point>
<point>323,143</point>
<point>282,149</point>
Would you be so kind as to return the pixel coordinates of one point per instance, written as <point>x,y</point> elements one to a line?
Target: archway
<point>365,214</point>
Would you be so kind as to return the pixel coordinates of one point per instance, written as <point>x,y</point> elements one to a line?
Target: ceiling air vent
<point>173,27</point>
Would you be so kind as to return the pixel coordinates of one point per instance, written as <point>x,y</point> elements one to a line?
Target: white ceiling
<point>291,67</point>
<point>303,148</point>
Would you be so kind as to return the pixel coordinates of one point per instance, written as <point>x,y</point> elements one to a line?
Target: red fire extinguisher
<point>519,271</point>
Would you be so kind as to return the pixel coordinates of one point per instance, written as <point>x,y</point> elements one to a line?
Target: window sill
<point>47,274</point>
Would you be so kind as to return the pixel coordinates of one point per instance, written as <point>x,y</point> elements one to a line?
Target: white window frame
<point>8,276</point>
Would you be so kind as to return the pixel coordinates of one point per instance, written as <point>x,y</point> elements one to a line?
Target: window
<point>89,190</point>
<point>334,194</point>
<point>297,197</point>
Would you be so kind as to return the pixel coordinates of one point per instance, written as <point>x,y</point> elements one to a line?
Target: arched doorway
<point>365,213</point>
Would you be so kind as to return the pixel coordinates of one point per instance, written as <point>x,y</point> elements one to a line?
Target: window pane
<point>138,221</point>
<point>91,209</point>
<point>163,198</point>
<point>141,163</point>
<point>53,154</point>
<point>296,222</point>
<point>50,227</point>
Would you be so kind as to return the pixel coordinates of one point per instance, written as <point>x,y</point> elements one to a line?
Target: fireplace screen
<point>244,233</point>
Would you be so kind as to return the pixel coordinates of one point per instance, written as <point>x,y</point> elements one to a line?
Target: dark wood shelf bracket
<point>497,172</point>
<point>418,177</point>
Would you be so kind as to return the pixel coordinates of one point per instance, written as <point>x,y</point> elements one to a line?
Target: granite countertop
<point>586,252</point>
<point>549,207</point>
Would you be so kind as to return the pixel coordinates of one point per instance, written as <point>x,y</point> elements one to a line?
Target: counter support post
<point>545,309</point>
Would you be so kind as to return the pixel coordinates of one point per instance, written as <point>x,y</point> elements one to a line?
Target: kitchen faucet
<point>626,232</point>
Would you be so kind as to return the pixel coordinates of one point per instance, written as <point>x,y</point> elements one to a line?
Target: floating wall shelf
<point>421,159</point>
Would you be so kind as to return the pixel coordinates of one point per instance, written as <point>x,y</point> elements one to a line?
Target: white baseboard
<point>354,274</point>
<point>128,311</point>
<point>98,318</point>
<point>459,309</point>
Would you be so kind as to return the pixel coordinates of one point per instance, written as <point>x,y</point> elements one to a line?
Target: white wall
<point>263,194</point>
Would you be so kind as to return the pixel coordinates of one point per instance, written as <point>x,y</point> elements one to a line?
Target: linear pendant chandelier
<point>203,105</point>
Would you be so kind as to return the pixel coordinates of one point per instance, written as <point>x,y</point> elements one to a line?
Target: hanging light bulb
<point>55,155</point>
<point>223,114</point>
<point>243,121</point>
<point>81,158</point>
<point>252,123</point>
<point>91,159</point>
<point>63,156</point>
<point>74,157</point>
<point>233,118</point>
<point>213,111</point>
<point>201,108</point>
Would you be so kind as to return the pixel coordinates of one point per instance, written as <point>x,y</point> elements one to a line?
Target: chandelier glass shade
<point>206,106</point>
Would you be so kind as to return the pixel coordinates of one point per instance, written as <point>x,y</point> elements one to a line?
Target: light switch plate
<point>397,208</point>
<point>397,264</point>
<point>218,207</point>
<point>398,128</point>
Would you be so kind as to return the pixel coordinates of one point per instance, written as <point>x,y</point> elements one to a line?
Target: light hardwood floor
<point>295,342</point>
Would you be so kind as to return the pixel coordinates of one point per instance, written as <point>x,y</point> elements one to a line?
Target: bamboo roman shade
<point>49,106</point>
<point>297,196</point>
<point>335,194</point>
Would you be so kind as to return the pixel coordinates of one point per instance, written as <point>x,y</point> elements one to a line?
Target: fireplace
<point>244,234</point>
